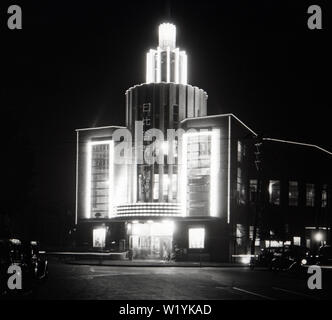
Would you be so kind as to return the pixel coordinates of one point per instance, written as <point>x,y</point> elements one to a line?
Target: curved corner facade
<point>164,105</point>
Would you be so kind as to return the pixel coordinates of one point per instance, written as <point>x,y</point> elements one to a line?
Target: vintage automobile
<point>290,258</point>
<point>10,254</point>
<point>35,260</point>
<point>25,255</point>
<point>264,258</point>
<point>324,256</point>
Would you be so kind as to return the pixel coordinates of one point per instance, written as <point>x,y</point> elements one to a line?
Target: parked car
<point>27,257</point>
<point>264,258</point>
<point>35,261</point>
<point>324,256</point>
<point>290,258</point>
<point>10,254</point>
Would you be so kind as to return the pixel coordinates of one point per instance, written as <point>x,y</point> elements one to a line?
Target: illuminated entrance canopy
<point>151,239</point>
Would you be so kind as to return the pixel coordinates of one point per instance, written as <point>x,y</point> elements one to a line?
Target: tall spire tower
<point>162,102</point>
<point>166,63</point>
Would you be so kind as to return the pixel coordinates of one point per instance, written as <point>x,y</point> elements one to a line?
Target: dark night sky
<point>70,66</point>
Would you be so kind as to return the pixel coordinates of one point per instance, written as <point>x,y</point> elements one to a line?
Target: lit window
<point>253,185</point>
<point>240,234</point>
<point>165,185</point>
<point>251,235</point>
<point>239,151</point>
<point>310,195</point>
<point>240,188</point>
<point>99,236</point>
<point>297,241</point>
<point>196,238</point>
<point>198,174</point>
<point>324,196</point>
<point>174,186</point>
<point>274,192</point>
<point>99,187</point>
<point>293,193</point>
<point>156,187</point>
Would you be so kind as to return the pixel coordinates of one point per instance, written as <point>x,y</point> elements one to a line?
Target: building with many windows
<point>176,179</point>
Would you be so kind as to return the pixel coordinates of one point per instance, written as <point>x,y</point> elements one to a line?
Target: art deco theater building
<point>148,191</point>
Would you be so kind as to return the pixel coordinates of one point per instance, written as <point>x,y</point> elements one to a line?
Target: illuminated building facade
<point>198,202</point>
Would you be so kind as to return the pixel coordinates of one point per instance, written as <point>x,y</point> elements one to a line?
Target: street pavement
<point>68,281</point>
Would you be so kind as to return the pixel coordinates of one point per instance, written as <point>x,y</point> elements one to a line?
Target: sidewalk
<point>119,260</point>
<point>150,263</point>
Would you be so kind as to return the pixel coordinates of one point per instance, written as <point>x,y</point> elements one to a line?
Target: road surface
<point>148,283</point>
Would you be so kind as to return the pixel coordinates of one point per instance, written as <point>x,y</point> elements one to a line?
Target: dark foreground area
<point>153,283</point>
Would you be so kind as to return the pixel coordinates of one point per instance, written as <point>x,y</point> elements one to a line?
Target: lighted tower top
<point>167,36</point>
<point>166,63</point>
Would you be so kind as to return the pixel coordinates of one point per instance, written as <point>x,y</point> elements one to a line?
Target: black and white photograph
<point>165,155</point>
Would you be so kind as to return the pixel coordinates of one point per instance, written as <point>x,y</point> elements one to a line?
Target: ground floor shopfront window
<point>151,240</point>
<point>99,237</point>
<point>196,238</point>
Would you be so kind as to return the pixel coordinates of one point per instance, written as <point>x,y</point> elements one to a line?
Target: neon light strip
<point>148,67</point>
<point>299,143</point>
<point>214,172</point>
<point>88,182</point>
<point>176,65</point>
<point>76,202</point>
<point>168,66</point>
<point>150,204</point>
<point>183,67</point>
<point>184,175</point>
<point>229,173</point>
<point>111,180</point>
<point>98,128</point>
<point>222,115</point>
<point>158,65</point>
<point>147,210</point>
<point>147,215</point>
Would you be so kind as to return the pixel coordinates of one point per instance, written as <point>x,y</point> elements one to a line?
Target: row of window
<point>293,193</point>
<point>274,188</point>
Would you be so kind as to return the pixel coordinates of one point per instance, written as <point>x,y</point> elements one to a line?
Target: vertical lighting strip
<point>111,179</point>
<point>183,67</point>
<point>168,66</point>
<point>176,51</point>
<point>214,173</point>
<point>90,144</point>
<point>158,65</point>
<point>148,67</point>
<point>153,65</point>
<point>88,182</point>
<point>229,173</point>
<point>184,175</point>
<point>134,182</point>
<point>76,201</point>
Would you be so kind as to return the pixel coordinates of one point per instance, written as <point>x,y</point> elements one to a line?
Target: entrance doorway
<point>99,237</point>
<point>151,240</point>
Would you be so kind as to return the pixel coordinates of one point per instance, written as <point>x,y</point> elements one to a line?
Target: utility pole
<point>258,164</point>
